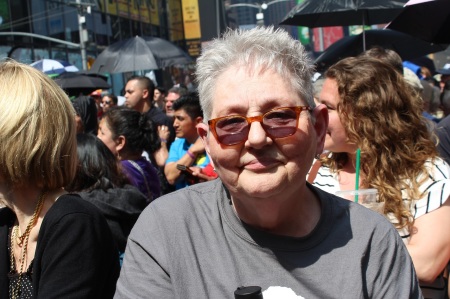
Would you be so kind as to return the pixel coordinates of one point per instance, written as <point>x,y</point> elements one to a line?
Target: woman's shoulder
<point>121,199</point>
<point>321,176</point>
<point>181,210</point>
<point>141,163</point>
<point>437,174</point>
<point>435,189</point>
<point>70,204</point>
<point>72,214</point>
<point>190,199</point>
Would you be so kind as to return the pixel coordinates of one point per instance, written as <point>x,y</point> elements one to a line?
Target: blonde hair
<point>37,129</point>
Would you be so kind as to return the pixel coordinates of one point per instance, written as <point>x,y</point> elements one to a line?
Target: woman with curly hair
<point>371,107</point>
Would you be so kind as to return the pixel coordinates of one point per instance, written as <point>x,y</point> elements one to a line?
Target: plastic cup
<point>365,197</point>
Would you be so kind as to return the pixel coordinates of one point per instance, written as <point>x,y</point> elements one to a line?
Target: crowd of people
<point>181,194</point>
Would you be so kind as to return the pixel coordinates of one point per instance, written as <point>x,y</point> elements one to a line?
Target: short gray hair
<point>260,47</point>
<point>181,91</point>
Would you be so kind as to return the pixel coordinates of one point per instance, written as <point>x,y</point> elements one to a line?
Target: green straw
<point>358,161</point>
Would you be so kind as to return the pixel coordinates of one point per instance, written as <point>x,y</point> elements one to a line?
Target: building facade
<point>26,26</point>
<point>102,22</point>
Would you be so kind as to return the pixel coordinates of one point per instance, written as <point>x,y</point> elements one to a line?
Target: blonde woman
<point>52,244</point>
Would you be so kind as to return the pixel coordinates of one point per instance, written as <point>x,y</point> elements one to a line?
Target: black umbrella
<point>426,19</point>
<point>78,83</point>
<point>407,46</point>
<point>139,53</point>
<point>324,13</point>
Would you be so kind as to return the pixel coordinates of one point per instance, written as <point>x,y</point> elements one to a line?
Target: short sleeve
<point>435,190</point>
<point>174,151</point>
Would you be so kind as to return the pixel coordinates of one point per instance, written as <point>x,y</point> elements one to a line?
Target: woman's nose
<point>257,136</point>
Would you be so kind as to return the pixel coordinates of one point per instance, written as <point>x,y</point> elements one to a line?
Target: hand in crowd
<point>197,172</point>
<point>163,132</point>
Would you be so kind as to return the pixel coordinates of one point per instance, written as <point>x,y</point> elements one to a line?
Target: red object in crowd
<point>209,171</point>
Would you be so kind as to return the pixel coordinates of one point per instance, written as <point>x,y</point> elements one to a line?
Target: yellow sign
<point>175,20</point>
<point>191,19</point>
<point>194,47</point>
<point>154,9</point>
<point>144,10</point>
<point>112,7</point>
<point>123,8</point>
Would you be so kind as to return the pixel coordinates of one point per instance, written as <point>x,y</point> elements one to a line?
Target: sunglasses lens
<point>232,130</point>
<point>280,123</point>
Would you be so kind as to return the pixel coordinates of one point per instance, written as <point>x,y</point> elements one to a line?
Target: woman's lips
<point>261,164</point>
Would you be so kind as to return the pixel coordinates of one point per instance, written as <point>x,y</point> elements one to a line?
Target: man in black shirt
<point>139,96</point>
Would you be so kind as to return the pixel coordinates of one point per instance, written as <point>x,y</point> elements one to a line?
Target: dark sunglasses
<point>278,123</point>
<point>106,102</point>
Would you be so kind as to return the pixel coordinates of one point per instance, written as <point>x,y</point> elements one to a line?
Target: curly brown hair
<point>382,115</point>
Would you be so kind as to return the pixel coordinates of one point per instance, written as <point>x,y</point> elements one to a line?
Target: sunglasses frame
<point>213,122</point>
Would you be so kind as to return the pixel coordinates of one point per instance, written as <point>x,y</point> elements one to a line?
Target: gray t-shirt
<point>190,244</point>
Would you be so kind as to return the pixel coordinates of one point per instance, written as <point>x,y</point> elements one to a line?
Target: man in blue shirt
<point>187,149</point>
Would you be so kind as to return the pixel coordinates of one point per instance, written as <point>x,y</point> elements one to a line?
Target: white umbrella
<point>53,66</point>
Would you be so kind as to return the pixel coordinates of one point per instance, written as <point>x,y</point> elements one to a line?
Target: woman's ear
<point>120,143</point>
<point>202,131</point>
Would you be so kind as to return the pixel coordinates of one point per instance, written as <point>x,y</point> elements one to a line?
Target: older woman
<point>260,222</point>
<point>52,244</point>
<point>371,107</point>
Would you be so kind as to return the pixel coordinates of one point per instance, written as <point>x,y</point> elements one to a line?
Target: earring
<point>317,156</point>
